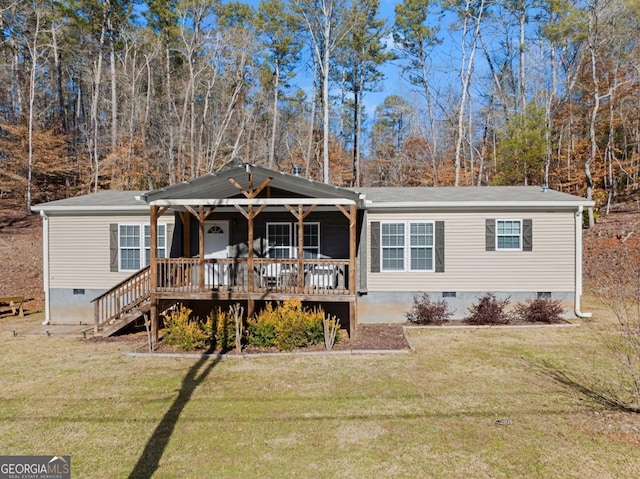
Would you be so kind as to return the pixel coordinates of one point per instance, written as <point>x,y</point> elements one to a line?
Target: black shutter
<point>527,235</point>
<point>375,247</point>
<point>439,246</point>
<point>113,247</point>
<point>490,235</point>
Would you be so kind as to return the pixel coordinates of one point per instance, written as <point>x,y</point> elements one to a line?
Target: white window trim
<point>142,249</point>
<point>281,223</point>
<point>293,235</point>
<point>407,247</point>
<point>498,248</point>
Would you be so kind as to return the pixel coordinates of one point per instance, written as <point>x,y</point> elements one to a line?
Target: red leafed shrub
<point>427,311</point>
<point>489,310</point>
<point>539,310</point>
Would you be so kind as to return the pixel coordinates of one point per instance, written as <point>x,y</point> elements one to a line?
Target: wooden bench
<point>15,303</point>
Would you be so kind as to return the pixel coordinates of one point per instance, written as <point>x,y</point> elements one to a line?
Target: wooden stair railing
<point>123,298</point>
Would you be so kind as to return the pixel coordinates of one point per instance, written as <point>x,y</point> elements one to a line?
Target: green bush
<point>427,311</point>
<point>183,331</point>
<point>286,326</point>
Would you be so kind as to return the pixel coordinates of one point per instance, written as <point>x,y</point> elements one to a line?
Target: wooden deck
<point>223,279</point>
<point>232,278</point>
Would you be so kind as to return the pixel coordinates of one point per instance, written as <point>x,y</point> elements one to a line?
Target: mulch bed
<point>368,337</point>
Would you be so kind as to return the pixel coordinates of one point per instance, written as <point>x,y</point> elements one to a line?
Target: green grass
<point>430,414</point>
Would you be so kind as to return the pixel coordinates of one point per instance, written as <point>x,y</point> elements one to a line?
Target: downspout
<point>578,266</point>
<point>45,266</point>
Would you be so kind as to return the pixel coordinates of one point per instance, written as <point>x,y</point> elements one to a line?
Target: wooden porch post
<point>301,216</point>
<point>250,217</point>
<point>201,218</point>
<point>153,270</point>
<point>353,319</point>
<point>352,216</point>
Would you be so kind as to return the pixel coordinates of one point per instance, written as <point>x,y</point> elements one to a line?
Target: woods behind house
<point>120,94</point>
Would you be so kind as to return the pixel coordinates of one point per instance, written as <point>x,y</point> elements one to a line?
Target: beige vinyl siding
<point>468,267</point>
<point>79,250</point>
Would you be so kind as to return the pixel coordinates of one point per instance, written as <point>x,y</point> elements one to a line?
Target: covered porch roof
<point>248,184</point>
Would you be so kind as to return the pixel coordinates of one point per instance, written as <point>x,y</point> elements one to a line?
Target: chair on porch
<point>276,274</point>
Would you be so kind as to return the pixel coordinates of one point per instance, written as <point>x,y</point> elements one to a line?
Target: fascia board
<point>254,201</point>
<point>143,208</point>
<point>478,205</point>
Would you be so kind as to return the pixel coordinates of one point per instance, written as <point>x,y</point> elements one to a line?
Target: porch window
<point>134,245</point>
<point>407,246</point>
<point>310,240</point>
<point>279,240</point>
<point>283,240</point>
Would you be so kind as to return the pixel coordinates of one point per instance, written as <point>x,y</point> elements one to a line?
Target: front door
<point>216,239</point>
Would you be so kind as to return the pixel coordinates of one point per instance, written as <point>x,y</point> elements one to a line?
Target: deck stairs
<point>123,320</point>
<point>123,304</point>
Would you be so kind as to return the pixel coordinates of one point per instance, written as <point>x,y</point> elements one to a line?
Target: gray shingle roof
<point>218,186</point>
<point>466,194</point>
<point>104,200</point>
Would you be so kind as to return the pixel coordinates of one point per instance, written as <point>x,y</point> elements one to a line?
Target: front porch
<point>287,237</point>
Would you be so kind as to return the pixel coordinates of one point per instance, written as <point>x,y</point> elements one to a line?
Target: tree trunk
<point>274,122</point>
<point>32,96</point>
<point>466,70</point>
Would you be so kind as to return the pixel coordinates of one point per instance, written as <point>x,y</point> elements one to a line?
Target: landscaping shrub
<point>489,310</point>
<point>539,310</point>
<point>286,326</point>
<point>183,331</point>
<point>427,311</point>
<point>222,326</point>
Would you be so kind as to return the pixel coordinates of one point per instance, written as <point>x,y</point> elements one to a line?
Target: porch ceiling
<point>217,189</point>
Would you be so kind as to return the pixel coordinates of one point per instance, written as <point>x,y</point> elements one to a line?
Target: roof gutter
<point>578,265</point>
<point>252,201</point>
<point>473,205</point>
<point>45,267</point>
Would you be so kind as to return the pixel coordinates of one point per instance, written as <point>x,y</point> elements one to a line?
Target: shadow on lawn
<point>596,392</point>
<point>150,458</point>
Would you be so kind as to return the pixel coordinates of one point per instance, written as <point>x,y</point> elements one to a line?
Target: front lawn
<point>470,403</point>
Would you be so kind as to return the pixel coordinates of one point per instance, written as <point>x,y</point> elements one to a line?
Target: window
<point>508,234</point>
<point>283,240</point>
<point>394,238</point>
<point>421,246</point>
<point>129,240</point>
<point>134,248</point>
<point>311,240</point>
<point>279,240</point>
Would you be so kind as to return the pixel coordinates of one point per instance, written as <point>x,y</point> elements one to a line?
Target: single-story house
<point>250,234</point>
